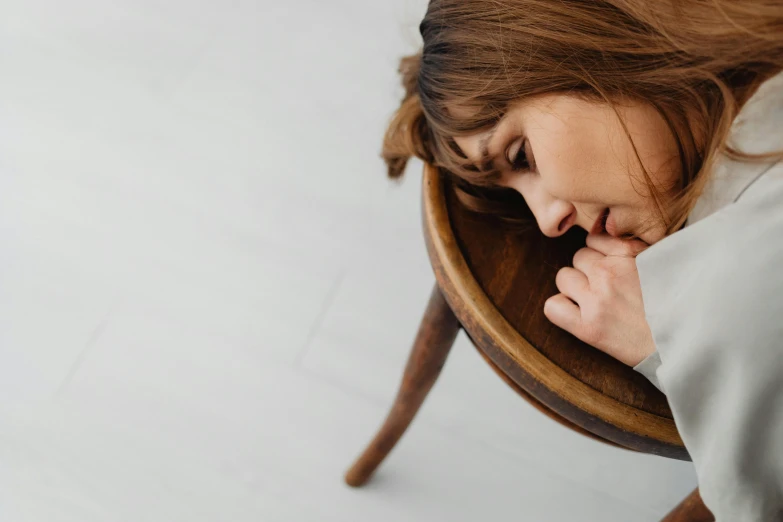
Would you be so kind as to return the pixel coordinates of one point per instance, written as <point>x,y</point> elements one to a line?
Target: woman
<point>658,128</point>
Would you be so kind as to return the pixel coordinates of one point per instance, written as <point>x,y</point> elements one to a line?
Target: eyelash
<point>521,161</point>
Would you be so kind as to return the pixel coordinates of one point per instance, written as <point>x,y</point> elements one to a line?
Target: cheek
<point>659,151</point>
<point>583,152</point>
<point>573,135</point>
<point>572,162</point>
<point>587,157</point>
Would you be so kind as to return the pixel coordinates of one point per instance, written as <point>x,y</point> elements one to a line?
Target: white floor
<point>208,289</point>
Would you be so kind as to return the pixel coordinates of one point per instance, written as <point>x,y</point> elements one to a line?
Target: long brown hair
<point>695,61</point>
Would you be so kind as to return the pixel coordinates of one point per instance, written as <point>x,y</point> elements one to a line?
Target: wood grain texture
<point>436,335</point>
<point>692,509</point>
<point>496,282</point>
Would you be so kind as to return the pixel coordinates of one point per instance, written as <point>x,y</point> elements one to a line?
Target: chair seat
<point>496,280</point>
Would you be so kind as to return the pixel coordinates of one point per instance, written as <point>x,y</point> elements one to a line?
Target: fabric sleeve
<point>713,296</point>
<point>649,368</point>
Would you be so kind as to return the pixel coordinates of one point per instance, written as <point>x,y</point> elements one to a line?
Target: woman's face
<point>572,161</point>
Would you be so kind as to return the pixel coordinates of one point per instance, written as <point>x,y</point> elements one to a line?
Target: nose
<point>554,216</point>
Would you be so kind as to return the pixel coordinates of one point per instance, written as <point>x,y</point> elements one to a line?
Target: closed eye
<point>517,155</point>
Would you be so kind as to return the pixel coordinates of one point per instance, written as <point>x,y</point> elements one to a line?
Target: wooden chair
<point>492,282</point>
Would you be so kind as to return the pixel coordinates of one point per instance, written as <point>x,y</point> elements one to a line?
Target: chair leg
<point>692,509</point>
<point>436,335</point>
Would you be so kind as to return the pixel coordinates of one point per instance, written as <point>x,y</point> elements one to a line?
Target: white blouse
<point>713,297</point>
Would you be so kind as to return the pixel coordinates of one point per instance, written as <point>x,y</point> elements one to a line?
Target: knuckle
<point>604,271</point>
<point>604,293</point>
<point>581,253</point>
<point>592,333</point>
<point>593,322</point>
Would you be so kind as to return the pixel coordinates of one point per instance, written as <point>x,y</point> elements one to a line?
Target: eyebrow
<point>484,148</point>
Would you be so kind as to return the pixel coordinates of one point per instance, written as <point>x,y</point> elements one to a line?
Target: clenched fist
<point>601,299</point>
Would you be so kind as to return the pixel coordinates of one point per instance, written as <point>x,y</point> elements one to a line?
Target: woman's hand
<point>601,299</point>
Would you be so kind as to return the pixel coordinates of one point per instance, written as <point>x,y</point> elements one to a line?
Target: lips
<point>600,223</point>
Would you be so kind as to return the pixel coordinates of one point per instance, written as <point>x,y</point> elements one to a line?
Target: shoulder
<point>758,129</point>
<point>723,274</point>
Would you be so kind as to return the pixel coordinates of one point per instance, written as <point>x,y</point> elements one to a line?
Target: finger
<point>572,283</point>
<point>585,258</point>
<point>614,246</point>
<point>563,313</point>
